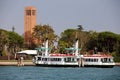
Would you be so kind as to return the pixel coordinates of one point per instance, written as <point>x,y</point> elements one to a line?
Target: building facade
<point>29,23</point>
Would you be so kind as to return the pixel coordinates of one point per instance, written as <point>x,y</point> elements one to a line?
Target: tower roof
<point>30,7</point>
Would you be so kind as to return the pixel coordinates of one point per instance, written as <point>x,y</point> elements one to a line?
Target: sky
<point>96,15</point>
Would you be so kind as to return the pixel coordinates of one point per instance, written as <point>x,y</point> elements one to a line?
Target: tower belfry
<point>29,23</point>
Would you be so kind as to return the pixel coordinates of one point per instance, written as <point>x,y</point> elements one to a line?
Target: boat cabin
<point>98,60</point>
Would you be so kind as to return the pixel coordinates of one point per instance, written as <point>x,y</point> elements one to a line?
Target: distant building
<point>29,23</point>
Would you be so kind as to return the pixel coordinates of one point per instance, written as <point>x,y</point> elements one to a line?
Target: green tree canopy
<point>107,41</point>
<point>3,40</point>
<point>15,40</point>
<point>92,40</point>
<point>10,41</point>
<point>41,32</point>
<point>69,35</point>
<point>67,39</point>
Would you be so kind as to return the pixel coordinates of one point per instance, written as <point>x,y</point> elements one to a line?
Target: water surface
<point>48,73</point>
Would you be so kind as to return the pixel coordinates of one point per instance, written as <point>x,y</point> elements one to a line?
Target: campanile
<point>29,23</point>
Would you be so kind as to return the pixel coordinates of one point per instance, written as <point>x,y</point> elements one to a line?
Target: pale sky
<point>97,15</point>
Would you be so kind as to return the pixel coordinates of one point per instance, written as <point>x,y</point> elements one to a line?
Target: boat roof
<point>97,55</point>
<point>64,55</point>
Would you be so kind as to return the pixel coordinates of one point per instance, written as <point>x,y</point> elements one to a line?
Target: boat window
<point>77,59</point>
<point>106,60</point>
<point>87,60</point>
<point>110,60</point>
<point>59,59</point>
<point>102,60</point>
<point>91,60</point>
<point>55,59</point>
<point>44,59</point>
<point>69,59</point>
<point>73,59</point>
<point>39,58</point>
<point>95,60</point>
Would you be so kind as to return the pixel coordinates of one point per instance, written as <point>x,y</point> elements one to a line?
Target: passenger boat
<point>69,59</point>
<point>98,60</point>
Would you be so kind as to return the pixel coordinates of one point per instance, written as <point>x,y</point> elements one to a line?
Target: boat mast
<point>46,47</point>
<point>76,47</point>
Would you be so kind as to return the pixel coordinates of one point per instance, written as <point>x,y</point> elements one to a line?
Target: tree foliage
<point>67,39</point>
<point>41,32</point>
<point>15,41</point>
<point>105,41</point>
<point>3,40</point>
<point>92,40</point>
<point>10,42</point>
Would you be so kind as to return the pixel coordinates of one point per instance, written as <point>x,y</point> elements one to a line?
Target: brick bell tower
<point>29,23</point>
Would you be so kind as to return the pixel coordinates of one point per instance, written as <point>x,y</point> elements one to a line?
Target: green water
<point>47,73</point>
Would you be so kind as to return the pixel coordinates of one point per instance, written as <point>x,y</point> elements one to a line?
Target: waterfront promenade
<point>26,63</point>
<point>117,64</point>
<point>15,63</point>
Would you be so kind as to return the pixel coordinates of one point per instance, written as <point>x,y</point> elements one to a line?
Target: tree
<point>107,41</point>
<point>92,40</point>
<point>67,39</point>
<point>13,28</point>
<point>41,32</point>
<point>3,40</point>
<point>15,42</point>
<point>80,34</point>
<point>80,28</point>
<point>10,42</point>
<point>68,36</point>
